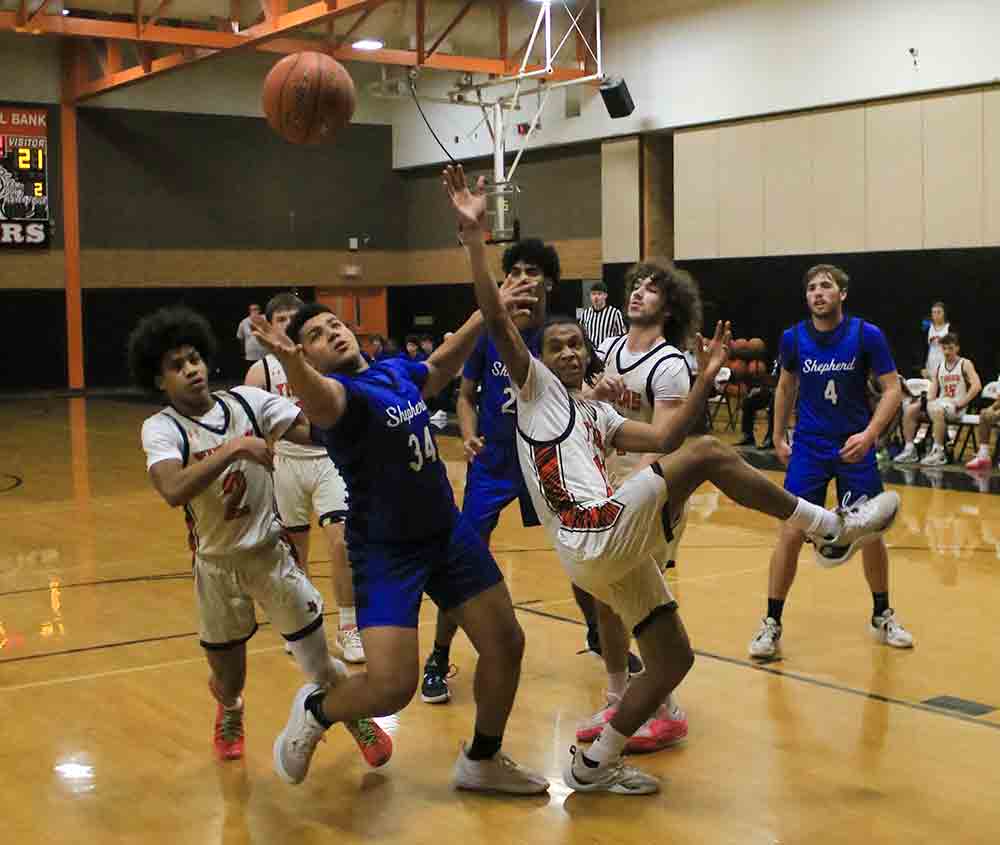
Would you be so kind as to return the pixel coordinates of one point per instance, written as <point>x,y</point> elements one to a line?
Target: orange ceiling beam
<point>455,22</point>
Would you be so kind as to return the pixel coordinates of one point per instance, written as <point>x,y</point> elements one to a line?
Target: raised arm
<point>450,355</point>
<point>470,209</point>
<point>322,399</point>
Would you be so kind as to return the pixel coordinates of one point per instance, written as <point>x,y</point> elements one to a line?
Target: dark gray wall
<point>560,196</point>
<point>164,180</point>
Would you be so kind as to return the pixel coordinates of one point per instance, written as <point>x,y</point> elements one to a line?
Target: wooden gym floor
<point>107,719</point>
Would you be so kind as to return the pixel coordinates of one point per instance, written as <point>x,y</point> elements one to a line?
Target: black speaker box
<point>617,99</point>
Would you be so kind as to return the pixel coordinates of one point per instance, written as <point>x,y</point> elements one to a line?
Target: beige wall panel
<point>620,198</point>
<point>260,268</point>
<point>894,176</point>
<point>696,194</point>
<point>787,150</point>
<point>32,270</point>
<point>838,180</point>
<point>991,168</point>
<point>953,171</point>
<point>741,190</point>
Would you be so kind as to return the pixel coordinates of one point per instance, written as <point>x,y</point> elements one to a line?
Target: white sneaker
<point>861,523</point>
<point>889,632</point>
<point>349,643</point>
<point>908,455</point>
<point>615,777</point>
<point>294,746</point>
<point>288,649</point>
<point>767,641</point>
<point>497,774</point>
<point>935,458</point>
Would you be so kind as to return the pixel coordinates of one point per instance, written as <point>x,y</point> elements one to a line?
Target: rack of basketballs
<point>748,368</point>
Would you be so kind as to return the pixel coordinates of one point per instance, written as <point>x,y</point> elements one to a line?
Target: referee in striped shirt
<point>601,320</point>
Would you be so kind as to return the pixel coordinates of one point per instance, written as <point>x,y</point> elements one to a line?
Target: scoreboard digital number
<point>24,186</point>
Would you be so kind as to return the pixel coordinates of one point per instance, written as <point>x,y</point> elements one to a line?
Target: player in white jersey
<point>606,540</point>
<point>646,378</point>
<point>954,386</point>
<point>210,453</point>
<point>306,481</point>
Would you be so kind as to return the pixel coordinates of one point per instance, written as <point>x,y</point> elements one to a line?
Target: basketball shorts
<point>225,591</point>
<point>816,461</point>
<point>951,412</point>
<point>492,482</point>
<point>672,546</point>
<point>390,579</point>
<point>306,485</point>
<point>621,565</point>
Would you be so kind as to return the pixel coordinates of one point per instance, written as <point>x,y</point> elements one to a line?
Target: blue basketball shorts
<point>492,482</point>
<point>816,461</point>
<point>390,579</point>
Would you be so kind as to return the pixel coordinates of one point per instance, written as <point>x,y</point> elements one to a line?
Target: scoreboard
<point>24,186</point>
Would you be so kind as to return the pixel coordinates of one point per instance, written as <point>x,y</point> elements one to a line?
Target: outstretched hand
<point>713,354</point>
<point>519,297</point>
<point>272,339</point>
<point>469,205</point>
<point>610,387</point>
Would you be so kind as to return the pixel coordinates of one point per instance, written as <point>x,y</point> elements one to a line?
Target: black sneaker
<point>434,687</point>
<point>767,445</point>
<point>747,442</point>
<point>635,666</point>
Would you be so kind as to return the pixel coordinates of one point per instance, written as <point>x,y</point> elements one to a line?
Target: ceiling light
<point>368,44</point>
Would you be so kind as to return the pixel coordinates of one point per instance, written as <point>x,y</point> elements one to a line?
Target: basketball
<point>739,369</point>
<point>308,98</point>
<point>758,349</point>
<point>757,370</point>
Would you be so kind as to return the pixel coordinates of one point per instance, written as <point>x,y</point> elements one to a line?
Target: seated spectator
<point>378,347</point>
<point>426,345</point>
<point>759,397</point>
<point>411,348</point>
<point>953,387</point>
<point>988,418</point>
<point>391,349</point>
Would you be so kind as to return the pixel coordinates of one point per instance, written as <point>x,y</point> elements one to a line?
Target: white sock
<point>348,617</point>
<point>909,445</point>
<point>814,520</point>
<point>617,682</point>
<point>608,748</point>
<point>984,451</point>
<point>313,656</point>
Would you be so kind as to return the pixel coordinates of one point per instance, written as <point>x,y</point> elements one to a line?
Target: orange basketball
<point>739,369</point>
<point>758,349</point>
<point>757,370</point>
<point>308,98</point>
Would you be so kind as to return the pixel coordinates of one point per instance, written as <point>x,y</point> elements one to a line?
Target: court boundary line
<point>795,676</point>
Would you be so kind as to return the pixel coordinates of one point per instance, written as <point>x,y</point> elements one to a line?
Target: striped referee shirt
<point>600,325</point>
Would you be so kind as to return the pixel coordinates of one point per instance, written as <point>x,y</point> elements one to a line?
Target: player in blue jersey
<point>404,537</point>
<point>827,359</point>
<point>486,418</point>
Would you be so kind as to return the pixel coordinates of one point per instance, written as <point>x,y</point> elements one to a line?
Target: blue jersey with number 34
<point>383,445</point>
<point>833,368</point>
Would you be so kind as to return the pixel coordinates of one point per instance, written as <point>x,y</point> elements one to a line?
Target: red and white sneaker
<point>657,733</point>
<point>228,736</point>
<point>590,729</point>
<point>374,743</point>
<point>980,463</point>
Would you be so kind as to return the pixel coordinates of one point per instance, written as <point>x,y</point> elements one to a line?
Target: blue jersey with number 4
<point>832,368</point>
<point>383,445</point>
<point>497,397</point>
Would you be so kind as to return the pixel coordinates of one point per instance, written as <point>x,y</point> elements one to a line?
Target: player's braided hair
<point>595,365</point>
<point>165,329</point>
<point>681,297</point>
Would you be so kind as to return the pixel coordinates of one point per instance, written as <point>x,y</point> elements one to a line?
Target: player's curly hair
<point>533,251</point>
<point>303,316</point>
<point>165,329</point>
<point>596,364</point>
<point>681,296</point>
